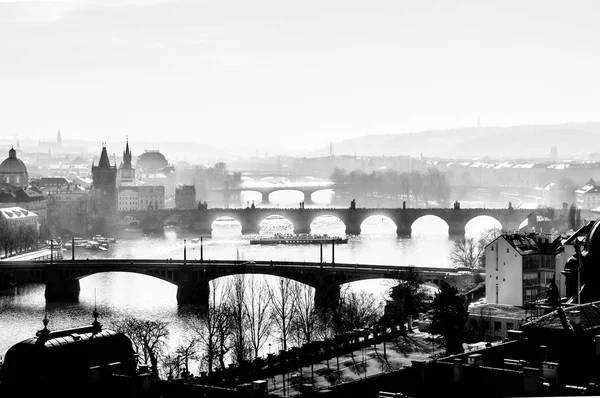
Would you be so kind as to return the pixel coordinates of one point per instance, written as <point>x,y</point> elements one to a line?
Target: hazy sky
<point>292,73</point>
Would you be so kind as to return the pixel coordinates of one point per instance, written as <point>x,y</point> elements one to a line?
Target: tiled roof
<point>589,319</point>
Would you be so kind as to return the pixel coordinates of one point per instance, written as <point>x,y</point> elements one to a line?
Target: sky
<point>292,74</point>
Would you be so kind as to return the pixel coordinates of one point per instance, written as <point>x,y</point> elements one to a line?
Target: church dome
<point>152,160</point>
<point>13,171</point>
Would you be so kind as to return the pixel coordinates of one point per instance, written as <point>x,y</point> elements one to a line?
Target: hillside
<point>575,140</point>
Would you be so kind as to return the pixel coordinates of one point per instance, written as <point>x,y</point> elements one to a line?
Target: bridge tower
<point>102,209</point>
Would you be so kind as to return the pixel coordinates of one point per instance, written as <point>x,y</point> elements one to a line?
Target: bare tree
<point>306,319</point>
<point>258,315</point>
<point>237,305</point>
<point>149,338</point>
<point>465,253</point>
<point>281,297</point>
<point>210,325</point>
<point>187,352</point>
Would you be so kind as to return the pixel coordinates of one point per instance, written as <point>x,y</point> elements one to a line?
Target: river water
<point>123,294</point>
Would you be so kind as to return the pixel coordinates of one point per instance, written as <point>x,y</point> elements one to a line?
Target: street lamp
<point>184,252</point>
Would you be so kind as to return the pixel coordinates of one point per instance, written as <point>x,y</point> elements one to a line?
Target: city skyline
<point>280,75</point>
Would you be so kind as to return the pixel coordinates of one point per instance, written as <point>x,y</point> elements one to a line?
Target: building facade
<point>185,197</point>
<point>588,197</point>
<point>519,268</point>
<point>151,197</point>
<point>17,216</point>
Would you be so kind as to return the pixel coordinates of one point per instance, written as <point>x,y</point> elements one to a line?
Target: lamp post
<point>73,248</point>
<point>184,252</point>
<point>51,250</point>
<point>332,251</point>
<point>321,253</point>
<point>201,250</point>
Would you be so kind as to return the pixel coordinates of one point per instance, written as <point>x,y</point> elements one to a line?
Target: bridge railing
<point>257,263</point>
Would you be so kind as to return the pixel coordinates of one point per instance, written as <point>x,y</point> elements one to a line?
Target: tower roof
<point>104,162</point>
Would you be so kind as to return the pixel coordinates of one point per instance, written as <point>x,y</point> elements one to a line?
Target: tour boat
<point>297,239</point>
<point>195,240</point>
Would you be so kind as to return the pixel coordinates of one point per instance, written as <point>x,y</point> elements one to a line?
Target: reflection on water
<point>121,294</point>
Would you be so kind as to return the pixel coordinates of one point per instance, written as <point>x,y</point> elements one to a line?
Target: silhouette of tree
<point>407,297</point>
<point>449,317</point>
<point>258,315</point>
<point>281,297</point>
<point>149,338</point>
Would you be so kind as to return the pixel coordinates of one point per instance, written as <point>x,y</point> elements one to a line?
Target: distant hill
<point>573,140</point>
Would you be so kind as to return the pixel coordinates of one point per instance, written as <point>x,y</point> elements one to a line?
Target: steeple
<point>104,162</point>
<point>127,156</point>
<point>58,138</point>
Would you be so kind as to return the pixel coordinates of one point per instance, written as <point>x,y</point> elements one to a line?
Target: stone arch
<point>421,216</point>
<point>385,217</point>
<point>332,215</point>
<point>275,216</point>
<point>478,218</point>
<point>225,218</point>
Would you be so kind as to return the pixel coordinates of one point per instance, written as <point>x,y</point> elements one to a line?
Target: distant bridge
<point>201,220</point>
<point>307,190</point>
<point>193,277</point>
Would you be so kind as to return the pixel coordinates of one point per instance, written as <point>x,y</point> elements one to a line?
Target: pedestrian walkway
<point>370,361</point>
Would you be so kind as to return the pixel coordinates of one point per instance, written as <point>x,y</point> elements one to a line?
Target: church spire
<point>104,162</point>
<point>127,156</point>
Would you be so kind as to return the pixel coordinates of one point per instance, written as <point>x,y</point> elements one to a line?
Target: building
<point>151,197</point>
<point>588,197</point>
<point>520,267</point>
<point>185,197</point>
<point>126,173</point>
<point>51,146</point>
<point>491,322</point>
<point>557,354</point>
<point>102,211</point>
<point>128,198</point>
<point>18,217</point>
<point>67,207</point>
<point>13,173</point>
<point>84,361</point>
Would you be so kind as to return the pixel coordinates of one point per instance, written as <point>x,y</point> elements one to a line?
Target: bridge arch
<point>225,225</point>
<point>477,225</point>
<point>429,224</point>
<point>380,224</point>
<point>330,224</point>
<point>275,223</point>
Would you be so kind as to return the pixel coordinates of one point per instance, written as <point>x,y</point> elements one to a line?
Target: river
<point>123,294</point>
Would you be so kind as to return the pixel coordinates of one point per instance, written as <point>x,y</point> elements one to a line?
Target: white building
<point>519,268</point>
<point>16,216</point>
<point>588,197</point>
<point>128,198</point>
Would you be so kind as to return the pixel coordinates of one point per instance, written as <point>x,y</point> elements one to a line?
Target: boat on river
<point>297,239</point>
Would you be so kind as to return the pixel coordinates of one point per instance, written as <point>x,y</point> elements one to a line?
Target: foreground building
<point>86,361</point>
<point>520,267</point>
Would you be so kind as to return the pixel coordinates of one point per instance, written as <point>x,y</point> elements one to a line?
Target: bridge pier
<point>404,230</point>
<point>63,291</point>
<point>192,288</point>
<point>301,226</point>
<point>264,198</point>
<point>327,296</point>
<point>457,230</point>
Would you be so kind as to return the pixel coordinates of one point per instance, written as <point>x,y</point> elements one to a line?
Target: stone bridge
<point>306,189</point>
<point>201,220</point>
<point>193,277</point>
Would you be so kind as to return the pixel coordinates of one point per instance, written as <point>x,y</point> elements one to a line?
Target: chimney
<point>550,372</point>
<point>575,317</point>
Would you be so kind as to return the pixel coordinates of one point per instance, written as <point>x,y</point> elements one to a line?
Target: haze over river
<point>122,294</point>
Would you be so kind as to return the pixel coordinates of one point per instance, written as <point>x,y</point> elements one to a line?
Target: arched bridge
<point>193,277</point>
<point>307,190</point>
<point>201,220</point>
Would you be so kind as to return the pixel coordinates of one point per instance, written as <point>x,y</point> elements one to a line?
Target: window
<point>492,248</point>
<point>497,326</point>
<point>507,250</point>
